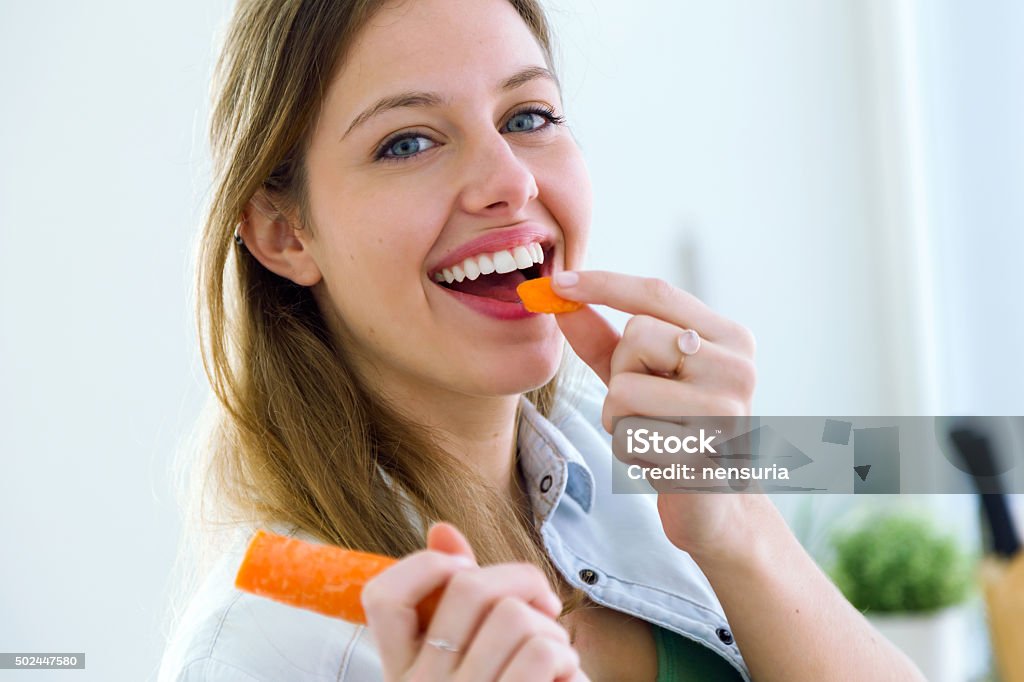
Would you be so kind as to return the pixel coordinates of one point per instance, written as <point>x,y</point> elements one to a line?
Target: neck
<point>480,431</point>
<point>485,439</point>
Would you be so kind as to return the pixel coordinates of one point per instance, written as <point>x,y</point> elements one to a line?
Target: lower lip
<point>500,310</point>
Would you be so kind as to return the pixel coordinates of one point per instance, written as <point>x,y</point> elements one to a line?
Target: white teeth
<point>504,262</point>
<point>518,258</point>
<point>486,264</point>
<point>524,259</point>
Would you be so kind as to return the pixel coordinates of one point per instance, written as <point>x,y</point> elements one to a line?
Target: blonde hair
<point>291,435</point>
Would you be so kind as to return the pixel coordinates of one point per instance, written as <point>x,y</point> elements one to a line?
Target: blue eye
<point>407,145</point>
<point>403,146</point>
<point>525,116</point>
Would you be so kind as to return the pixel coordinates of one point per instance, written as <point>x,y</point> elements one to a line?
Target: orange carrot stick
<point>538,297</point>
<point>321,578</point>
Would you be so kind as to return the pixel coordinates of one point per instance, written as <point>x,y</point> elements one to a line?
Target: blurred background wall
<point>843,178</point>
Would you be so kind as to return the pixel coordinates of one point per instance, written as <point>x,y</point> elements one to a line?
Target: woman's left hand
<point>675,357</point>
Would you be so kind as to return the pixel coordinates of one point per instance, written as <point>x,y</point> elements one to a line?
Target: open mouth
<point>496,275</point>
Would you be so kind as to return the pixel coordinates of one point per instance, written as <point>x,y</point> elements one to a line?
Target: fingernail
<point>566,278</point>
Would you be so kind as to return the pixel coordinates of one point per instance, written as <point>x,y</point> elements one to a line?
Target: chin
<point>525,374</point>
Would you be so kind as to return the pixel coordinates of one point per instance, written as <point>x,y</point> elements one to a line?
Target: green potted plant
<point>911,580</point>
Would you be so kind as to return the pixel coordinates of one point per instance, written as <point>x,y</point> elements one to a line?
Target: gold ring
<point>679,368</point>
<point>688,343</point>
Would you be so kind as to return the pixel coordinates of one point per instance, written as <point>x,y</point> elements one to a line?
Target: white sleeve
<point>231,636</point>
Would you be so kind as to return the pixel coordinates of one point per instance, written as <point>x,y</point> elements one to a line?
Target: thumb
<point>444,537</point>
<point>592,337</point>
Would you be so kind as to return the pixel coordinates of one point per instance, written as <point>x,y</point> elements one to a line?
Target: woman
<point>391,172</point>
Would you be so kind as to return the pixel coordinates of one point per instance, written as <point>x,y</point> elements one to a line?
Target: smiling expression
<point>473,169</point>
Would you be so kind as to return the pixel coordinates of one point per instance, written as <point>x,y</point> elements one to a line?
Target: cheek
<point>376,237</point>
<point>372,239</point>
<point>567,193</point>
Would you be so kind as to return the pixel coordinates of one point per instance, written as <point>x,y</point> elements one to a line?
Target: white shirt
<point>610,545</point>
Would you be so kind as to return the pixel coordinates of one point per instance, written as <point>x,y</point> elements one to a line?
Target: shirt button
<point>588,576</point>
<point>545,484</point>
<point>724,635</point>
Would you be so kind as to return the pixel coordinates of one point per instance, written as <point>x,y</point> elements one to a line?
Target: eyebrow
<point>433,99</point>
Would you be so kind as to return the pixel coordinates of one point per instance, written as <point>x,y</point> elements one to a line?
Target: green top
<point>681,659</point>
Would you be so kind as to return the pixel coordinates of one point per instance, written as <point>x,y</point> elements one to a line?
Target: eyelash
<point>543,112</point>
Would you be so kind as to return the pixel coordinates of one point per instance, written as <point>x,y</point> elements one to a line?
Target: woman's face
<point>400,196</point>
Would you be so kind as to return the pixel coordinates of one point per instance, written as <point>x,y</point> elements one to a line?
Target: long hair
<point>290,434</point>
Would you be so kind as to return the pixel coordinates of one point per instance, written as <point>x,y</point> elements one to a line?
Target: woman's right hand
<point>500,619</point>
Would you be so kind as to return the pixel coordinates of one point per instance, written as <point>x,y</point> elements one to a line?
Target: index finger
<point>644,296</point>
<point>390,602</point>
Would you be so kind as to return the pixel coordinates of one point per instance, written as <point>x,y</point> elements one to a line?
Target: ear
<point>271,238</point>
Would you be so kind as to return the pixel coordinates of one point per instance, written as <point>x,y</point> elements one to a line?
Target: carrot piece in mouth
<point>321,578</point>
<point>538,297</point>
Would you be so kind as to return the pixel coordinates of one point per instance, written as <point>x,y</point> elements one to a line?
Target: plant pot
<point>935,641</point>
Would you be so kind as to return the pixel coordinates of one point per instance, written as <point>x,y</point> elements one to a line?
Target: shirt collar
<point>551,465</point>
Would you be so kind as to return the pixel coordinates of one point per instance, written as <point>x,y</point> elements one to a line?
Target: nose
<point>496,180</point>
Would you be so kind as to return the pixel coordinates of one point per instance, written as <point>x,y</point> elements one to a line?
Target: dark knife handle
<point>977,455</point>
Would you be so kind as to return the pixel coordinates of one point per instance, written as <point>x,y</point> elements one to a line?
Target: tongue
<point>500,287</point>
